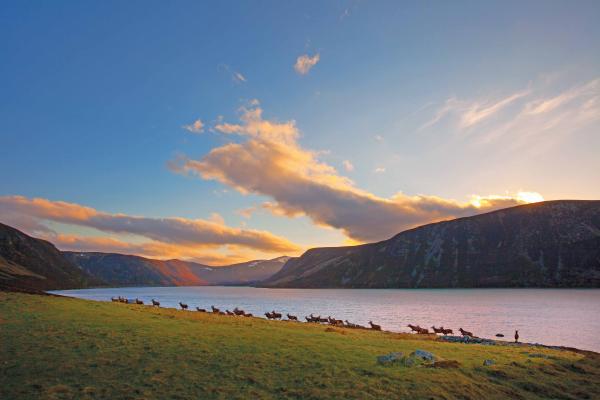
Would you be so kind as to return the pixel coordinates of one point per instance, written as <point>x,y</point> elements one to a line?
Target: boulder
<point>423,355</point>
<point>410,361</point>
<point>389,358</point>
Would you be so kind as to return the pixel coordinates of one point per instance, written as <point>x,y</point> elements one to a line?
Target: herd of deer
<point>312,318</point>
<point>126,301</point>
<point>318,319</point>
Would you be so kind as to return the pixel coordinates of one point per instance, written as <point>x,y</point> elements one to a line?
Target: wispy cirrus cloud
<point>305,63</point>
<point>478,112</point>
<point>549,117</point>
<point>470,113</point>
<point>178,235</point>
<point>236,76</point>
<point>542,106</point>
<point>271,162</point>
<point>525,116</point>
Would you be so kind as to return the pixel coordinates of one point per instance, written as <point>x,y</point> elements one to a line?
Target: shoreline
<point>442,338</point>
<point>114,350</point>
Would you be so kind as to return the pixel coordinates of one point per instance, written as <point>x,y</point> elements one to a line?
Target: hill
<point>31,264</point>
<point>547,244</point>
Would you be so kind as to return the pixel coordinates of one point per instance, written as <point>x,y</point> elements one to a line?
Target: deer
<point>138,301</point>
<point>116,300</point>
<point>155,303</point>
<point>414,328</point>
<point>237,311</point>
<point>292,317</point>
<point>375,326</point>
<point>183,306</point>
<point>437,330</point>
<point>447,331</point>
<point>516,336</point>
<point>229,312</point>
<point>334,321</point>
<point>351,325</point>
<point>275,315</point>
<point>465,333</point>
<point>215,309</point>
<point>200,309</point>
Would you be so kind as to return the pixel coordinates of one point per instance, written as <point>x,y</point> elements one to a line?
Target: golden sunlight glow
<point>520,197</point>
<point>529,197</point>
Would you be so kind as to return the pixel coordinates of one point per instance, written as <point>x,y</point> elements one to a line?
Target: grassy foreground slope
<point>53,348</point>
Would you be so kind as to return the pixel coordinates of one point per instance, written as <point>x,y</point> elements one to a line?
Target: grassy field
<point>61,348</point>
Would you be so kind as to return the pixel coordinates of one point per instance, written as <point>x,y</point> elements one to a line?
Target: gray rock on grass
<point>389,358</point>
<point>423,355</point>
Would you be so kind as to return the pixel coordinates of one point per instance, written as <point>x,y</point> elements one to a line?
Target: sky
<point>226,131</point>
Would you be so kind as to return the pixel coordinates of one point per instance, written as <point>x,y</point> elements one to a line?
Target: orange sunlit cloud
<point>271,162</point>
<point>165,237</point>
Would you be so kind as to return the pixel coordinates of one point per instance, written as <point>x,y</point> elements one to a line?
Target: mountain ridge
<point>35,265</point>
<point>129,270</point>
<point>556,232</point>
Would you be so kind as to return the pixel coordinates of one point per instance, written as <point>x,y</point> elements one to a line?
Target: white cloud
<point>348,166</point>
<point>196,127</point>
<point>304,63</point>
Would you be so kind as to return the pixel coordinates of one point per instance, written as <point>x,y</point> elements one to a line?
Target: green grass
<point>61,348</point>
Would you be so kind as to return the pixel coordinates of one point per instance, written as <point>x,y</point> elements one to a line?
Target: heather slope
<point>31,264</point>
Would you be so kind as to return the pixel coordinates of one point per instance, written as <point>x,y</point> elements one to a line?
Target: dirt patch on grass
<point>445,364</point>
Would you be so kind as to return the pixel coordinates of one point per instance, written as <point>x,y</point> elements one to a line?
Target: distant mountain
<point>243,273</point>
<point>128,270</point>
<point>547,244</point>
<point>31,264</point>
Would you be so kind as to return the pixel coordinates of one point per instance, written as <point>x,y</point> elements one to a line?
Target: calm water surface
<point>549,316</point>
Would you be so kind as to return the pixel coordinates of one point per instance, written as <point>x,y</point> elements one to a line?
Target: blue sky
<point>94,97</point>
